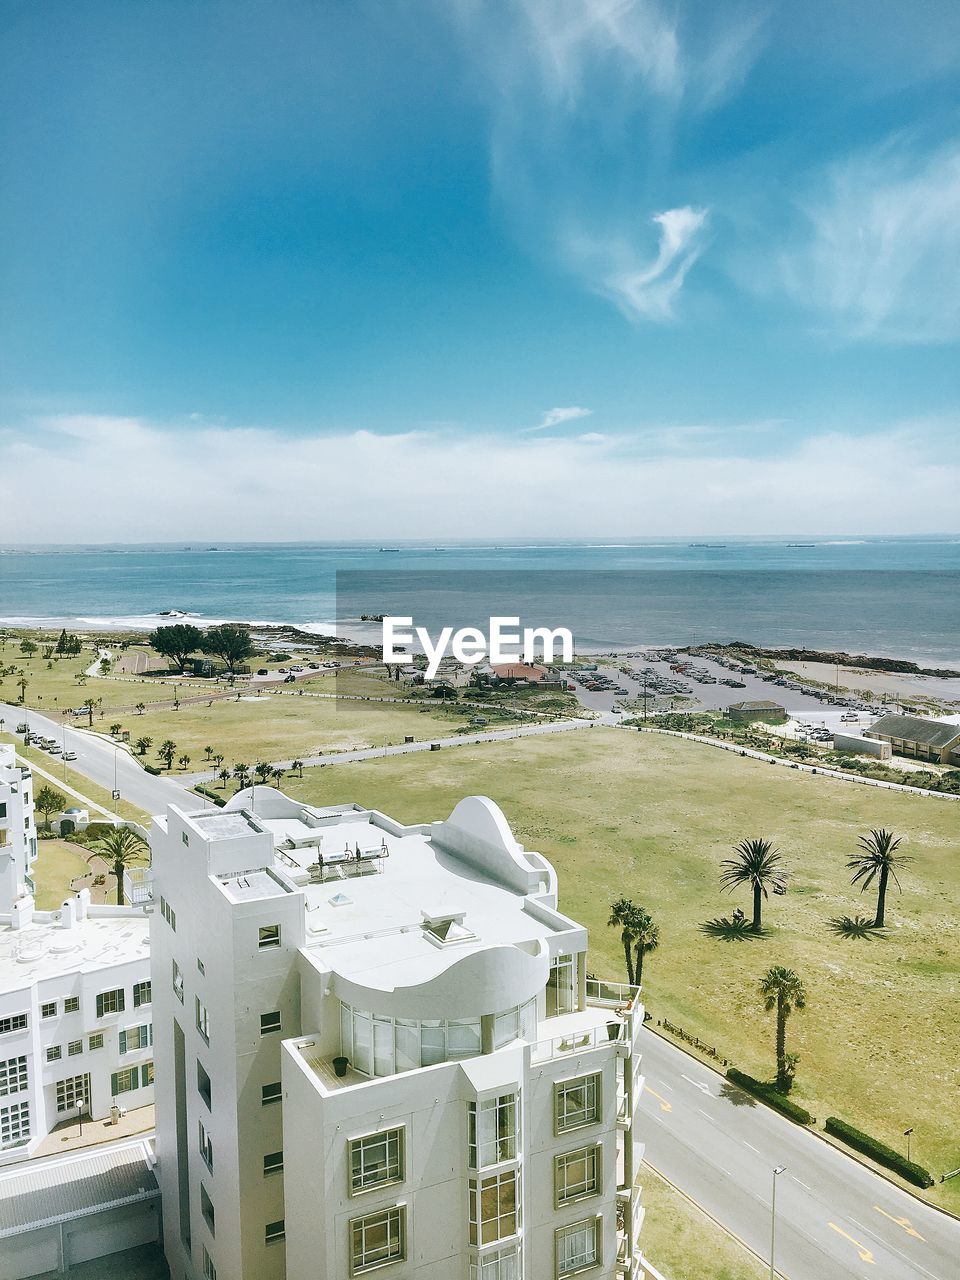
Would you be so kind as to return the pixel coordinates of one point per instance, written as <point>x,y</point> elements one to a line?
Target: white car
<point>69,755</point>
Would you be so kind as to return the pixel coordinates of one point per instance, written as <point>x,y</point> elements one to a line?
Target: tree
<point>115,729</point>
<point>758,865</point>
<point>242,774</point>
<point>276,773</point>
<point>120,848</point>
<point>230,642</point>
<point>217,760</point>
<point>22,686</point>
<point>166,751</point>
<point>878,859</point>
<point>208,752</point>
<point>48,801</point>
<point>141,708</point>
<point>623,916</point>
<point>261,771</point>
<point>88,704</point>
<point>298,765</point>
<point>646,938</point>
<point>143,745</point>
<point>28,648</point>
<point>782,990</point>
<point>183,761</point>
<point>224,776</point>
<point>177,642</point>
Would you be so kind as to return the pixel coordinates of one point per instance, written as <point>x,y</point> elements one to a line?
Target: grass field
<point>651,817</point>
<point>684,1244</point>
<point>57,864</point>
<point>53,765</point>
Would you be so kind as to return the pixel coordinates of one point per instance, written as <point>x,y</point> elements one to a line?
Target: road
<point>836,1219</point>
<point>103,763</point>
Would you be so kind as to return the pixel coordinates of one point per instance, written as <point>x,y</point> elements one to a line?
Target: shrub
<point>215,796</point>
<point>879,1152</point>
<point>152,768</point>
<point>96,830</point>
<point>767,1093</point>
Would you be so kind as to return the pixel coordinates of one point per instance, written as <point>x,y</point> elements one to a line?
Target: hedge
<point>152,768</point>
<point>768,1094</point>
<point>215,796</point>
<point>878,1151</point>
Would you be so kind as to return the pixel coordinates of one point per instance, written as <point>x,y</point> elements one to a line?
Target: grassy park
<point>682,1241</point>
<point>651,817</point>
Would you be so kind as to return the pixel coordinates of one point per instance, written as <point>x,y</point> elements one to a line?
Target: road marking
<point>864,1252</point>
<point>751,1146</point>
<point>705,1113</point>
<point>697,1085</point>
<point>664,1104</point>
<point>907,1225</point>
<point>802,1184</point>
<point>893,1249</point>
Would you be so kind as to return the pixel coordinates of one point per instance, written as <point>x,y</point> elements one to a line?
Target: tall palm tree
<point>878,858</point>
<point>646,938</point>
<point>623,916</point>
<point>120,848</point>
<point>782,990</point>
<point>760,866</point>
<point>298,765</point>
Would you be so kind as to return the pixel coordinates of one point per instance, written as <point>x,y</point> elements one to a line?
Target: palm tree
<point>167,751</point>
<point>120,848</point>
<point>242,774</point>
<point>261,771</point>
<point>224,776</point>
<point>623,916</point>
<point>143,745</point>
<point>877,857</point>
<point>184,760</point>
<point>782,990</point>
<point>298,765</point>
<point>208,752</point>
<point>759,865</point>
<point>646,938</point>
<point>276,773</point>
<point>217,760</point>
<point>141,708</point>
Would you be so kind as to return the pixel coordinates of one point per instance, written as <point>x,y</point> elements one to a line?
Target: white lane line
<point>802,1184</point>
<point>750,1145</point>
<point>893,1249</point>
<point>705,1113</point>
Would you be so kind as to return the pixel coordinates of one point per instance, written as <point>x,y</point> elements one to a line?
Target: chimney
<point>83,904</point>
<point>22,913</point>
<point>68,914</point>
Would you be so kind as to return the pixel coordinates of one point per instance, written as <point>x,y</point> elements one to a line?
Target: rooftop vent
<point>446,928</point>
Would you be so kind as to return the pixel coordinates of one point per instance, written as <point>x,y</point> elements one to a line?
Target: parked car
<point>69,755</point>
<point>263,672</point>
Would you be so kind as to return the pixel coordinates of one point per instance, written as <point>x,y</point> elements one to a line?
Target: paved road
<point>836,1219</point>
<point>102,762</point>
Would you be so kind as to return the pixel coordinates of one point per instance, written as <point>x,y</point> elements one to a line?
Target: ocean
<point>897,597</point>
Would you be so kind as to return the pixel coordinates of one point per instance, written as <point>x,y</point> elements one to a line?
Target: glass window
<point>578,1247</point>
<point>274,1231</point>
<point>562,986</point>
<point>270,1093</point>
<point>492,1127</point>
<point>269,1022</point>
<point>71,1004</point>
<point>136,1038</point>
<point>203,1019</point>
<point>177,982</point>
<point>53,1053</point>
<point>273,1163</point>
<point>499,1264</point>
<point>146,1074</point>
<point>207,1209</point>
<point>72,1092</point>
<point>15,1022</point>
<point>376,1160</point>
<point>48,1010</point>
<point>203,1086</point>
<point>74,1047</point>
<point>95,1041</point>
<point>14,1123</point>
<point>13,1076</point>
<point>125,1080</point>
<point>494,1207</point>
<point>269,936</point>
<point>577,1174</point>
<point>576,1102</point>
<point>109,1002</point>
<point>378,1238</point>
<point>141,994</point>
<point>206,1146</point>
<point>209,1270</point>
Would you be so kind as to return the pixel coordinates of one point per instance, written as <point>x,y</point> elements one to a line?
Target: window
<point>273,1163</point>
<point>494,1207</point>
<point>15,1022</point>
<point>203,1019</point>
<point>576,1102</point>
<point>377,1239</point>
<point>273,1231</point>
<point>209,1270</point>
<point>141,994</point>
<point>124,1081</point>
<point>136,1038</point>
<point>95,1041</point>
<point>500,1264</point>
<point>578,1247</point>
<point>269,1022</point>
<point>74,1048</point>
<point>203,1086</point>
<point>49,1010</point>
<point>14,1123</point>
<point>270,1093</point>
<point>269,936</point>
<point>562,986</point>
<point>71,1004</point>
<point>109,1002</point>
<point>73,1092</point>
<point>206,1147</point>
<point>54,1053</point>
<point>201,968</point>
<point>146,1074</point>
<point>177,982</point>
<point>381,1046</point>
<point>376,1160</point>
<point>206,1208</point>
<point>13,1076</point>
<point>576,1174</point>
<point>492,1130</point>
<point>519,1023</point>
<point>168,914</point>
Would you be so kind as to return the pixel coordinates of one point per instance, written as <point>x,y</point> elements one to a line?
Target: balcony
<point>607,1019</point>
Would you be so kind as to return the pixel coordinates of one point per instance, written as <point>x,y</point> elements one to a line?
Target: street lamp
<point>906,1134</point>
<point>773,1217</point>
<point>81,1102</point>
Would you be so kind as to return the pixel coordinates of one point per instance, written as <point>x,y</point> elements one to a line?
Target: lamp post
<point>906,1134</point>
<point>80,1105</point>
<point>773,1217</point>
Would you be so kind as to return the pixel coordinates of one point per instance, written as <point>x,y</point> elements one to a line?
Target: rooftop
<point>931,733</point>
<point>44,949</point>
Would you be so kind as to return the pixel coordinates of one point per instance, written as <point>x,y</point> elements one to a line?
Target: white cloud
<point>95,479</point>
<point>881,255</point>
<point>556,417</point>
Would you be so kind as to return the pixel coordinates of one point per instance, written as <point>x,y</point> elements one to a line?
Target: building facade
<point>920,738</point>
<point>378,1048</point>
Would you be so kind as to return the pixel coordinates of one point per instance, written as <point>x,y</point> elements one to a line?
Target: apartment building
<point>75,1011</point>
<point>378,1049</point>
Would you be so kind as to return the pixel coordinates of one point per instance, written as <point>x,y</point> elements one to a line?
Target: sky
<point>443,268</point>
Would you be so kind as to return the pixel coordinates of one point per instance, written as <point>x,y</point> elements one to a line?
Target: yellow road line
<point>905,1223</point>
<point>864,1252</point>
<point>664,1104</point>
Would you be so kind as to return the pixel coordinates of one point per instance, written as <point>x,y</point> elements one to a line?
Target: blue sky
<point>668,262</point>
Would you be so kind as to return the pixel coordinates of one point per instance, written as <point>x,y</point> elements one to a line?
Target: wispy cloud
<point>901,480</point>
<point>881,251</point>
<point>557,417</point>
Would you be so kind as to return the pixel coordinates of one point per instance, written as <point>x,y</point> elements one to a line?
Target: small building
<point>518,672</point>
<point>852,744</point>
<point>919,738</point>
<point>748,712</point>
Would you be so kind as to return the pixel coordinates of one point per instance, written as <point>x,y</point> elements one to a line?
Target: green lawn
<point>61,774</point>
<point>651,817</point>
<point>684,1244</point>
<point>57,864</point>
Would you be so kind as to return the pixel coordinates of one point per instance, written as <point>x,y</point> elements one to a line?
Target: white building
<point>75,1013</point>
<point>378,1049</point>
